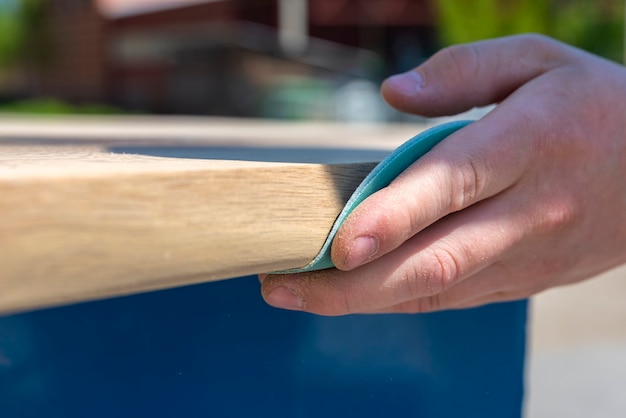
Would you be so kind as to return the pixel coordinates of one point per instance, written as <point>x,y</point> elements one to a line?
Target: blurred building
<point>225,57</point>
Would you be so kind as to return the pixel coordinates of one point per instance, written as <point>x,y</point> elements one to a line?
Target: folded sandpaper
<point>381,176</point>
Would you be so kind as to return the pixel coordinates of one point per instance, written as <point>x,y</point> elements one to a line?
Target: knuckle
<point>323,294</point>
<point>393,217</point>
<point>346,306</point>
<point>432,275</point>
<point>466,183</point>
<point>410,283</point>
<point>557,216</point>
<point>338,305</point>
<point>445,268</point>
<point>416,306</point>
<point>423,305</point>
<point>536,40</point>
<point>429,304</point>
<point>547,52</point>
<point>464,59</point>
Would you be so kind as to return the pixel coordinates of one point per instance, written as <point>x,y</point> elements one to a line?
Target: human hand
<point>529,197</point>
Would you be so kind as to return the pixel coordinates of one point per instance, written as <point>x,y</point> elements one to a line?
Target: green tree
<point>9,32</point>
<point>23,29</point>
<point>465,21</point>
<point>594,25</point>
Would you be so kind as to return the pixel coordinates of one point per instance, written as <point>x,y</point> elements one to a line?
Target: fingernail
<point>406,83</point>
<point>285,298</point>
<point>363,248</point>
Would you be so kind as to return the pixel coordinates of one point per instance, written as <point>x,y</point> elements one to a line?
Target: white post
<point>293,26</point>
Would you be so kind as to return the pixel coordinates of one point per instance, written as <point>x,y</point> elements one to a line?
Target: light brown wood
<point>82,218</point>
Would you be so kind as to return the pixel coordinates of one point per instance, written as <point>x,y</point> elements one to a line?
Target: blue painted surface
<point>216,350</point>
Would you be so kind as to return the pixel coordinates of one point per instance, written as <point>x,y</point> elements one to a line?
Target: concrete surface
<point>577,357</point>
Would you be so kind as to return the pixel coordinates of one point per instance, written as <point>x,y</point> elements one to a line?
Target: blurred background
<point>284,59</point>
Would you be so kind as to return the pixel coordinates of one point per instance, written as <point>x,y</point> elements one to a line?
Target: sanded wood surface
<point>93,208</point>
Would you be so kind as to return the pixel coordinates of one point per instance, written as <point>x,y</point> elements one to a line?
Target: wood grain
<point>81,221</point>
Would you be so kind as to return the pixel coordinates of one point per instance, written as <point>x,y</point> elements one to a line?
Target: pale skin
<point>530,197</point>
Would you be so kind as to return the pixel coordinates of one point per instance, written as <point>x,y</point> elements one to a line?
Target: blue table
<point>216,350</point>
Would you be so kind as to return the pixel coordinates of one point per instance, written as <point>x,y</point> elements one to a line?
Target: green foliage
<point>51,106</point>
<point>22,32</point>
<point>10,32</point>
<point>465,21</point>
<point>594,25</point>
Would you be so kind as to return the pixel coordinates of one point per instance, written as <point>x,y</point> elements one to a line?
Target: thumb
<point>461,77</point>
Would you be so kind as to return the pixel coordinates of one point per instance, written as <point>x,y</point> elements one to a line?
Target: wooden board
<point>93,208</point>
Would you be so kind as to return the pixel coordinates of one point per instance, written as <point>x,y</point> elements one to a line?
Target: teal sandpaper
<point>381,176</point>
